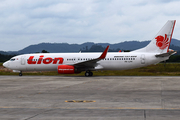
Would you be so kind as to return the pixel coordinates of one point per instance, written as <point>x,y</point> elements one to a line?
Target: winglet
<point>103,55</point>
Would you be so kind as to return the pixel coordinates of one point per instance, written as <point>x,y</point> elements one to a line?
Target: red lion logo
<point>162,42</point>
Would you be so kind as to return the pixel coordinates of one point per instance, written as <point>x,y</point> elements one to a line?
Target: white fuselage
<point>112,61</point>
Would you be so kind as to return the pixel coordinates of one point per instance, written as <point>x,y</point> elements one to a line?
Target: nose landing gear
<point>20,74</point>
<point>88,73</point>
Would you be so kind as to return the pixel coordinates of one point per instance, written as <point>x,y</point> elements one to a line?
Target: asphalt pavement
<point>92,98</point>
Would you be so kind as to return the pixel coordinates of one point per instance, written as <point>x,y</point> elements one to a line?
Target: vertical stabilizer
<point>161,42</point>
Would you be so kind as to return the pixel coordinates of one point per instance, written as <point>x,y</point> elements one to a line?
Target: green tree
<point>44,51</point>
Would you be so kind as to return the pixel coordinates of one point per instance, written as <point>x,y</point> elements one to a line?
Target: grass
<point>168,69</point>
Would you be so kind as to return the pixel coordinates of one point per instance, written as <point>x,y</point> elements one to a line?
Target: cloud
<point>26,22</point>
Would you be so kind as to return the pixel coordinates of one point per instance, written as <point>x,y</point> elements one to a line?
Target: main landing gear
<point>88,73</point>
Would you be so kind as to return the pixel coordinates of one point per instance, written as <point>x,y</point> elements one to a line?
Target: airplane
<point>70,63</point>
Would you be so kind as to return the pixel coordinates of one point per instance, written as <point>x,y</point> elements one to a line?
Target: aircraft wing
<point>93,62</point>
<point>171,52</point>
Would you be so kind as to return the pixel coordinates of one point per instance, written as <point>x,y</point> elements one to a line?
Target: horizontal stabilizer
<point>171,52</point>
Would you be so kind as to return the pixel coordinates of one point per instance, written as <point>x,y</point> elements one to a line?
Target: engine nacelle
<point>66,69</point>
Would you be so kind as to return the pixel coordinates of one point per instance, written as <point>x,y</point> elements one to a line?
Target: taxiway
<point>92,98</point>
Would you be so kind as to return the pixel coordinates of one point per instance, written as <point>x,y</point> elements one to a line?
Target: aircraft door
<point>23,60</point>
<point>75,60</point>
<point>142,59</point>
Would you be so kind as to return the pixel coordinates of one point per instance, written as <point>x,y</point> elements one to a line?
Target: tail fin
<point>161,42</point>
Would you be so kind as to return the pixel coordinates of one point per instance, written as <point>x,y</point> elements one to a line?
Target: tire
<point>88,73</point>
<point>91,74</point>
<point>20,74</point>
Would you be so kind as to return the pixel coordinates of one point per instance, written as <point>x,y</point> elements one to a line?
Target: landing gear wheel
<point>20,74</point>
<point>91,73</point>
<point>88,73</point>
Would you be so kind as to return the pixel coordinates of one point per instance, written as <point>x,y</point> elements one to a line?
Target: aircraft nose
<point>6,64</point>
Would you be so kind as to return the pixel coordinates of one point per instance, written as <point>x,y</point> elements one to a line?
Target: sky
<point>27,22</point>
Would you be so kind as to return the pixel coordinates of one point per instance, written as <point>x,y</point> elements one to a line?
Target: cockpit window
<point>12,59</point>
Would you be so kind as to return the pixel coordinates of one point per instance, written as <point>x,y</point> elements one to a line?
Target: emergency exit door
<point>143,59</point>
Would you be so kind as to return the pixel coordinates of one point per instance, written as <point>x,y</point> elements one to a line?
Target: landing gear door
<point>142,59</point>
<point>23,60</point>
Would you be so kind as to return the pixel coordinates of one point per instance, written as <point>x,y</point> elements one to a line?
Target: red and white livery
<point>69,63</point>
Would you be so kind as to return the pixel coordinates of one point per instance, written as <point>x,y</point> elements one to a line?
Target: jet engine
<point>67,69</point>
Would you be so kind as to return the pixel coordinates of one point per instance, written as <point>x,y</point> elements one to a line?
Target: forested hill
<point>65,47</point>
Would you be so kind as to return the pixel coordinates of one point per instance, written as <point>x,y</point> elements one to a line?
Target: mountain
<point>55,47</point>
<point>65,47</point>
<point>175,42</point>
